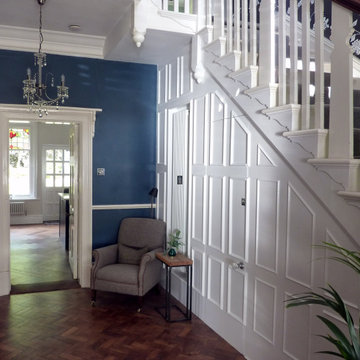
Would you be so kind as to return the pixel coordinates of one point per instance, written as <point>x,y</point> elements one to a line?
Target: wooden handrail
<point>353,5</point>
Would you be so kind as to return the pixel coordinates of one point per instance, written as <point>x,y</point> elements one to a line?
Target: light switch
<point>100,171</point>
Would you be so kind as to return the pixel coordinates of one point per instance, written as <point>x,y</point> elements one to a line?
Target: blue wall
<point>125,132</point>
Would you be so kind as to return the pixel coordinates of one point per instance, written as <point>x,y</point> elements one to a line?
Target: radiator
<point>17,208</point>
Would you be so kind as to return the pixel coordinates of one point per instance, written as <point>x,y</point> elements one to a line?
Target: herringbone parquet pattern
<point>62,325</point>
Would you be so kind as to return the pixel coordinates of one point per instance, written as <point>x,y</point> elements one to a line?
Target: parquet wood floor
<point>63,325</point>
<point>38,258</point>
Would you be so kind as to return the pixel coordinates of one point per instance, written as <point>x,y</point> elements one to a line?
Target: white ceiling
<point>96,17</point>
<point>98,21</point>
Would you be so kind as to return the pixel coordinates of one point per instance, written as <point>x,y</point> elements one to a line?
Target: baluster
<point>305,52</point>
<point>244,34</point>
<point>293,52</point>
<point>208,12</point>
<point>187,7</point>
<point>229,21</point>
<point>282,52</point>
<point>319,65</point>
<point>341,103</point>
<point>165,5</point>
<point>253,33</point>
<point>219,19</point>
<point>267,43</point>
<point>237,25</point>
<point>176,6</point>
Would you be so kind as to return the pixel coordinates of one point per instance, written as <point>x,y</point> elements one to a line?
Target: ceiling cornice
<point>60,43</point>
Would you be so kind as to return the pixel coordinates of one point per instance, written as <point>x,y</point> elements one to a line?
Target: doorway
<point>85,118</point>
<point>39,177</point>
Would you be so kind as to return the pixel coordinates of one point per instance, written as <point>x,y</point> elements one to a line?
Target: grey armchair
<point>130,266</point>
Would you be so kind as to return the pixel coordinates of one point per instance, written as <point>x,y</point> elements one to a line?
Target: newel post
<point>341,128</point>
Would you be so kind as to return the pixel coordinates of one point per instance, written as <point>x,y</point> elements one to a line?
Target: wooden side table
<point>171,262</point>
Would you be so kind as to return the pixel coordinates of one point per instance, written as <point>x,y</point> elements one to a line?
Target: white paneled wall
<point>247,205</point>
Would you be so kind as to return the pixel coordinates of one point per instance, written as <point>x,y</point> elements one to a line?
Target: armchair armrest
<point>102,257</point>
<point>149,270</point>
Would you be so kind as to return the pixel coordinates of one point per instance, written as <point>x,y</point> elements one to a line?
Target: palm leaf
<point>341,341</point>
<point>347,257</point>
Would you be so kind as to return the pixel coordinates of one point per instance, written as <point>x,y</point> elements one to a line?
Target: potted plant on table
<point>348,345</point>
<point>174,242</point>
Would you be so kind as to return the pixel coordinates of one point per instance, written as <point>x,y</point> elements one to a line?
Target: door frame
<point>85,117</point>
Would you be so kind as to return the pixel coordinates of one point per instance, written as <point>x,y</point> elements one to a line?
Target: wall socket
<point>100,171</point>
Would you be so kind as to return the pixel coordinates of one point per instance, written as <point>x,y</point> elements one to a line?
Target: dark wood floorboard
<point>39,261</point>
<point>63,325</point>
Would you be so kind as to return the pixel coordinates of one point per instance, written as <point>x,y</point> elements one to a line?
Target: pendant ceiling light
<point>35,87</point>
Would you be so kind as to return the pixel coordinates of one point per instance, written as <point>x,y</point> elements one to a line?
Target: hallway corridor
<point>38,259</point>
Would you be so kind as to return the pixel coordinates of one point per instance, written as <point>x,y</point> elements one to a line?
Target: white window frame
<point>32,161</point>
<point>51,147</point>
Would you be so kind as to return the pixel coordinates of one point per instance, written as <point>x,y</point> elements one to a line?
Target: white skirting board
<point>5,285</point>
<point>25,220</point>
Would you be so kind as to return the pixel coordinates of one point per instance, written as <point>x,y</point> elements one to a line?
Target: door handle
<point>238,266</point>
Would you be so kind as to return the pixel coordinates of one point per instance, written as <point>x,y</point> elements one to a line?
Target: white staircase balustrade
<point>285,59</point>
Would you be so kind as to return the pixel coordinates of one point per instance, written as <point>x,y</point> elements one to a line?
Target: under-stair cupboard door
<point>73,200</point>
<point>218,212</point>
<point>178,165</point>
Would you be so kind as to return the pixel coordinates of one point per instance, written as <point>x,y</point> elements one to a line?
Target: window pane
<point>66,155</point>
<point>58,181</point>
<point>49,167</point>
<point>66,168</point>
<point>19,139</point>
<point>66,180</point>
<point>58,168</point>
<point>49,155</point>
<point>58,155</point>
<point>49,181</point>
<point>19,172</point>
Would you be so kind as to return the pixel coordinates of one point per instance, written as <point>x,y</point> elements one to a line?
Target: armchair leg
<point>140,303</point>
<point>93,297</point>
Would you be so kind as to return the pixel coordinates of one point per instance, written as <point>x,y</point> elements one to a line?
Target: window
<point>20,162</point>
<point>57,167</point>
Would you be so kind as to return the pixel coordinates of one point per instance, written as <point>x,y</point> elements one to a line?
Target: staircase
<point>268,66</point>
<point>273,166</point>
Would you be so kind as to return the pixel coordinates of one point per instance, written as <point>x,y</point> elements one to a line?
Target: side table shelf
<point>171,262</point>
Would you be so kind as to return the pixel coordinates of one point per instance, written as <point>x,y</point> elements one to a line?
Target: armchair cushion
<point>130,255</point>
<point>119,273</point>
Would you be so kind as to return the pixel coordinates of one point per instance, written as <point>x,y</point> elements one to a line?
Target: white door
<point>56,177</point>
<point>179,164</point>
<point>73,201</point>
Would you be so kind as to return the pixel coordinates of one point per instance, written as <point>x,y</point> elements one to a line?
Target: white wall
<point>273,234</point>
<point>46,134</point>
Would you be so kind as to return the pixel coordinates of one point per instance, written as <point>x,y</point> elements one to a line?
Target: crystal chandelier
<point>35,90</point>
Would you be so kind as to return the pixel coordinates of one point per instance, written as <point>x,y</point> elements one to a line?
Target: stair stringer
<point>321,183</point>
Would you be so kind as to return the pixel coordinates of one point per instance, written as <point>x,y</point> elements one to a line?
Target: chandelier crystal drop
<point>35,87</point>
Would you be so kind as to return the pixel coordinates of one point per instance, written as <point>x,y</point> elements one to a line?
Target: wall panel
<point>237,293</point>
<point>215,281</point>
<point>264,310</point>
<point>218,115</point>
<point>267,224</point>
<point>300,237</point>
<point>238,141</point>
<point>237,218</point>
<point>216,213</point>
<point>197,224</point>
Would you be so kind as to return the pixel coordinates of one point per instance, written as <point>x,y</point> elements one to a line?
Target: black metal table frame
<point>187,313</point>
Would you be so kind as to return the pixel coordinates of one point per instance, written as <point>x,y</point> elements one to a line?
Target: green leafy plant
<point>174,241</point>
<point>348,345</point>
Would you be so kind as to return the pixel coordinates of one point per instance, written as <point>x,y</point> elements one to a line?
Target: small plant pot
<point>172,252</point>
